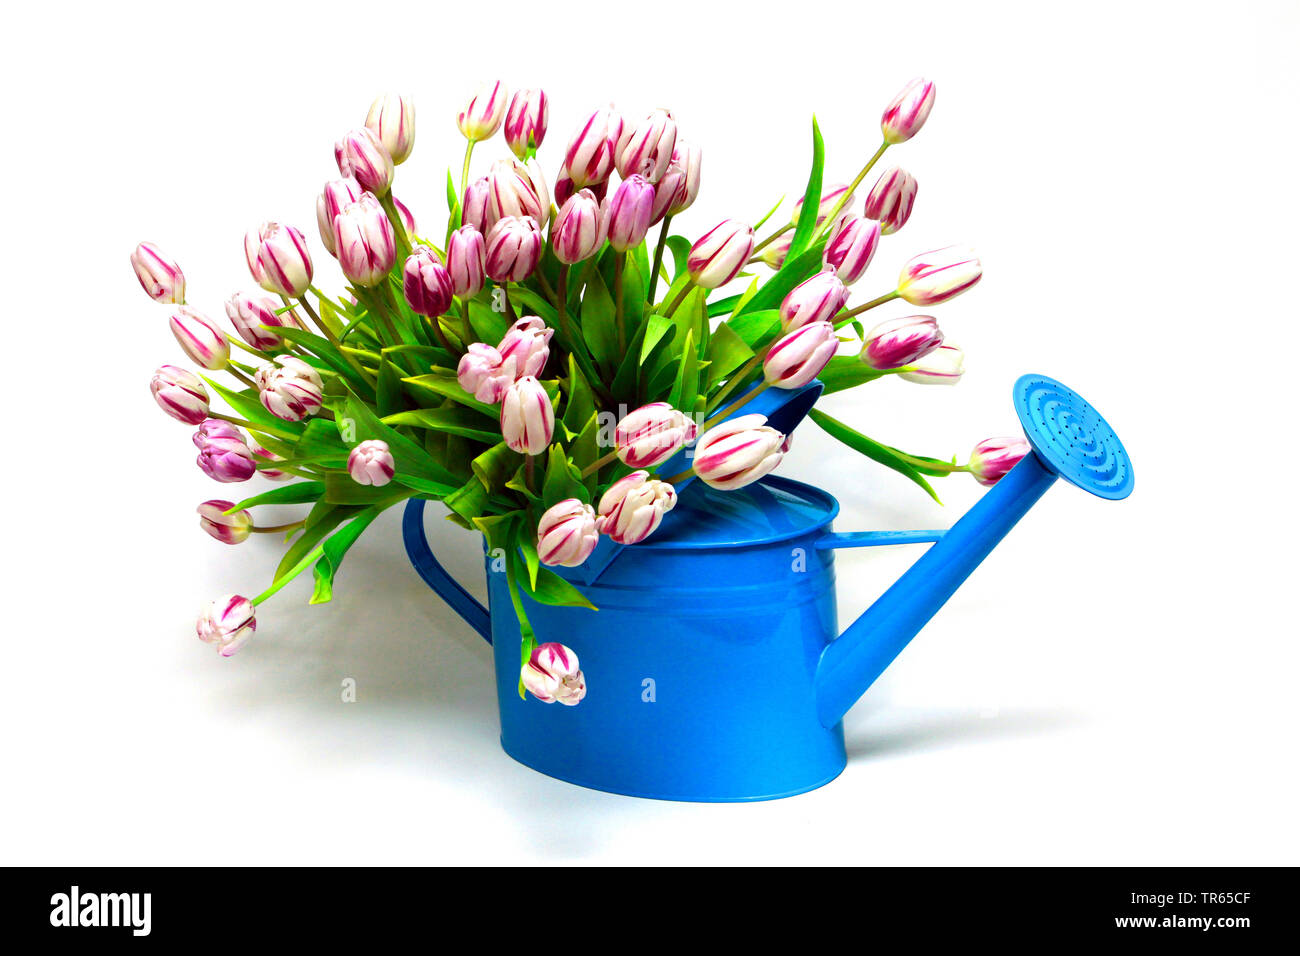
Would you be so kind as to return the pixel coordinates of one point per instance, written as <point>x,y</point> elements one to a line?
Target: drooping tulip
<point>200,338</point>
<point>426,283</point>
<point>799,356</point>
<point>898,342</point>
<point>552,674</point>
<point>392,119</point>
<point>591,153</point>
<point>278,259</point>
<point>253,316</point>
<point>632,507</point>
<point>578,231</point>
<point>526,120</point>
<point>831,197</point>
<point>159,275</point>
<point>527,342</point>
<point>475,206</point>
<point>652,434</point>
<point>371,463</point>
<point>718,256</point>
<point>482,116</point>
<point>737,452</point>
<point>943,366</point>
<point>226,528</point>
<point>514,247</point>
<point>527,418</point>
<point>649,149</point>
<point>224,454</point>
<point>289,388</point>
<point>937,276</point>
<point>274,474</point>
<point>227,623</point>
<point>180,393</point>
<point>566,534</point>
<point>484,374</point>
<point>628,211</point>
<point>817,299</point>
<point>336,194</point>
<point>512,192</point>
<point>851,247</point>
<point>465,252</point>
<point>992,458</point>
<point>907,112</point>
<point>364,241</point>
<point>890,200</point>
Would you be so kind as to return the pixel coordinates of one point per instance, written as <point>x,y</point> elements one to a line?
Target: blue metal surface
<point>874,539</point>
<point>434,575</point>
<point>1071,438</point>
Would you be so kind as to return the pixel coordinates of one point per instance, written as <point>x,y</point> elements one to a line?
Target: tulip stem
<point>771,239</point>
<point>600,463</point>
<point>241,376</point>
<point>619,264</point>
<point>747,397</point>
<point>239,344</point>
<point>843,318</point>
<point>464,175</point>
<point>332,338</point>
<point>273,529</point>
<point>436,322</point>
<point>659,258</point>
<point>505,297</point>
<point>399,228</point>
<point>848,194</point>
<point>677,300</point>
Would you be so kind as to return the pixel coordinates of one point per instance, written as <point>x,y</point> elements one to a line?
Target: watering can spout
<point>1069,440</point>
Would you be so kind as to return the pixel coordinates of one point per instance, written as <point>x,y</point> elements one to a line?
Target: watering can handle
<point>436,576</point>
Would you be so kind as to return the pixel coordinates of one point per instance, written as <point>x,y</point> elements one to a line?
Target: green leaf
<point>872,449</point>
<point>537,304</point>
<point>454,419</point>
<point>292,494</point>
<point>325,349</point>
<point>550,588</point>
<point>488,325</point>
<point>758,225</point>
<point>320,443</point>
<point>846,371</point>
<point>811,198</point>
<point>687,385</point>
<point>444,384</point>
<point>680,247</point>
<point>340,489</point>
<point>796,269</point>
<point>580,403</point>
<point>495,466</point>
<point>409,457</point>
<point>249,407</point>
<point>469,501</point>
<point>752,328</point>
<point>389,393</point>
<point>323,518</point>
<point>563,480</point>
<point>335,548</point>
<point>598,322</point>
<point>727,352</point>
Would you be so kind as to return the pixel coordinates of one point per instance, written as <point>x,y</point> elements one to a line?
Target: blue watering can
<point>713,668</point>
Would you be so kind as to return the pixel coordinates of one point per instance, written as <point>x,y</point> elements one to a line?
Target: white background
<point>1116,685</point>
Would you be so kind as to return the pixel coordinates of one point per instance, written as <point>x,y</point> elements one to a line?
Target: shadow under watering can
<point>713,667</point>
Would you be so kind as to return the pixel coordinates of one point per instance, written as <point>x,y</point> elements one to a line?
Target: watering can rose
<point>552,674</point>
<point>567,533</point>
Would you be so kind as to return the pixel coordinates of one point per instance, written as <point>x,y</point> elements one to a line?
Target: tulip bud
<point>465,251</point>
<point>426,283</point>
<point>718,256</point>
<point>273,473</point>
<point>528,343</point>
<point>934,277</point>
<point>994,457</point>
<point>226,528</point>
<point>737,452</point>
<point>362,156</point>
<point>484,374</point>
<point>851,247</point>
<point>159,275</point>
<point>514,247</point>
<point>526,121</point>
<point>652,434</point>
<point>482,117</point>
<point>649,149</point>
<point>278,259</point>
<point>631,509</point>
<point>579,230</point>
<point>799,356</point>
<point>774,253</point>
<point>898,342</point>
<point>392,120</point>
<point>371,463</point>
<point>180,393</point>
<point>228,622</point>
<point>249,314</point>
<point>223,454</point>
<point>590,156</point>
<point>943,366</point>
<point>475,205</point>
<point>830,199</point>
<point>289,388</point>
<point>527,419</point>
<point>336,194</point>
<point>512,192</point>
<point>200,338</point>
<point>890,200</point>
<point>567,533</point>
<point>628,211</point>
<point>817,299</point>
<point>904,117</point>
<point>364,241</point>
<point>552,674</point>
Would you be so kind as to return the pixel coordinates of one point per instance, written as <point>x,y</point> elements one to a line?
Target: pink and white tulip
<point>578,231</point>
<point>907,112</point>
<point>278,259</point>
<point>526,121</point>
<point>465,252</point>
<point>392,120</point>
<point>475,205</point>
<point>737,452</point>
<point>937,276</point>
<point>649,149</point>
<point>527,418</point>
<point>406,216</point>
<point>362,156</point>
<point>799,356</point>
<point>484,374</point>
<point>159,275</point>
<point>527,342</point>
<point>718,256</point>
<point>994,457</point>
<point>336,194</point>
<point>223,452</point>
<point>514,247</point>
<point>482,116</point>
<point>632,507</point>
<point>898,342</point>
<point>628,212</point>
<point>371,463</point>
<point>890,200</point>
<point>775,252</point>
<point>851,247</point>
<point>227,623</point>
<point>226,528</point>
<point>289,388</point>
<point>200,338</point>
<point>513,190</point>
<point>364,240</point>
<point>591,153</point>
<point>426,283</point>
<point>180,393</point>
<point>944,366</point>
<point>830,199</point>
<point>254,316</point>
<point>567,533</point>
<point>818,298</point>
<point>652,434</point>
<point>272,473</point>
<point>552,674</point>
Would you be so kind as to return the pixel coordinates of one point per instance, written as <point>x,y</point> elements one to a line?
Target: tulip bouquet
<point>535,364</point>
